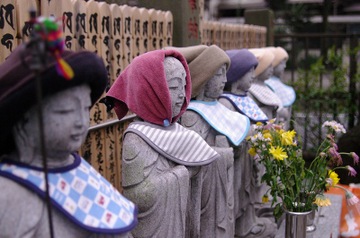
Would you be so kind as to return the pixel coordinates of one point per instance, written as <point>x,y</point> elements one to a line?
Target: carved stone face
<point>66,121</point>
<point>244,83</point>
<point>176,79</point>
<point>279,69</point>
<point>215,86</point>
<point>266,74</point>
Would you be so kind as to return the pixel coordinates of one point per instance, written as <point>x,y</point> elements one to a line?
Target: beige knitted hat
<point>203,63</point>
<point>280,55</point>
<point>265,58</point>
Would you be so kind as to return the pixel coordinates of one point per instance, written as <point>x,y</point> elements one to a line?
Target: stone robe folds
<point>217,206</point>
<point>154,182</point>
<point>150,170</point>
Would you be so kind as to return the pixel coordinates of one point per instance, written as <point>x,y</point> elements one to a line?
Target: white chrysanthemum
<point>257,127</point>
<point>337,127</point>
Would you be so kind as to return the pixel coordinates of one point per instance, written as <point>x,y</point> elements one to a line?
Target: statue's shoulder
<point>226,102</point>
<point>135,146</point>
<point>16,199</point>
<point>190,118</point>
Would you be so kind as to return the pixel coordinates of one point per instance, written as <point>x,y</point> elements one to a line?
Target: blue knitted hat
<point>241,62</point>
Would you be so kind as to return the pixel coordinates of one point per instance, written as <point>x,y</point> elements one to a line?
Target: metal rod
<point>110,123</point>
<point>38,61</point>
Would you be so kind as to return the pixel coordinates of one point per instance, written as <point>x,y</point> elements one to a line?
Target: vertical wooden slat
<point>160,29</point>
<point>237,37</point>
<point>9,28</point>
<point>23,17</point>
<point>127,37</point>
<point>136,31</point>
<point>48,7</point>
<point>111,172</point>
<point>120,128</point>
<point>217,29</point>
<point>97,150</point>
<point>223,40</point>
<point>92,43</point>
<point>105,42</point>
<point>105,28</point>
<point>92,26</point>
<point>144,30</point>
<point>153,43</point>
<point>169,25</point>
<point>80,24</point>
<point>68,23</point>
<point>117,45</point>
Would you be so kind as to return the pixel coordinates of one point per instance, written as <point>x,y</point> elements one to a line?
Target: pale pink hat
<point>280,55</point>
<point>265,58</point>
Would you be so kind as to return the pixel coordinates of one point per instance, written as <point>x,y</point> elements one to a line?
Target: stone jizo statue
<point>235,98</point>
<point>266,99</point>
<point>219,126</point>
<point>161,159</point>
<point>285,92</point>
<point>83,203</point>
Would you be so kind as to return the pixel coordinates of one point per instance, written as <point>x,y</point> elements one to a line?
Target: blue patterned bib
<point>285,93</point>
<point>233,125</point>
<point>246,106</point>
<point>80,193</point>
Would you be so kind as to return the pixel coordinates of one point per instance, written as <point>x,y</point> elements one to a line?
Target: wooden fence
<point>117,33</point>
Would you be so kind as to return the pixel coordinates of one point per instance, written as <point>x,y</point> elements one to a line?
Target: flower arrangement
<point>294,186</point>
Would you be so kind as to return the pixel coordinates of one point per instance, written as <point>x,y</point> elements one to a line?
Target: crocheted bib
<point>80,193</point>
<point>246,105</point>
<point>285,93</point>
<point>233,125</point>
<point>175,142</point>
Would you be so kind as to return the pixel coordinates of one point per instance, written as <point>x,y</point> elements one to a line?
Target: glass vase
<point>295,224</point>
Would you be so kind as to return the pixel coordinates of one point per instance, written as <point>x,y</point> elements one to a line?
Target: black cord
<point>37,63</point>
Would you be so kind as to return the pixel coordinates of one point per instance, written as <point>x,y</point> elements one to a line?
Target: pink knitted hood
<point>142,88</point>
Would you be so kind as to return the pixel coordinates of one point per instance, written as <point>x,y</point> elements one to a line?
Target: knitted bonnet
<point>265,59</point>
<point>18,83</point>
<point>241,62</point>
<point>203,63</point>
<point>280,54</point>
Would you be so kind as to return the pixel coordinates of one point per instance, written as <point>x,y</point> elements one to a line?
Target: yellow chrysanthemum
<point>267,135</point>
<point>334,177</point>
<point>322,201</point>
<point>287,137</point>
<point>259,123</point>
<point>280,131</point>
<point>271,121</point>
<point>252,151</point>
<point>278,153</point>
<point>265,198</point>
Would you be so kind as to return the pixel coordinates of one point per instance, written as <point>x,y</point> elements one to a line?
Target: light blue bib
<point>233,125</point>
<point>80,193</point>
<point>285,93</point>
